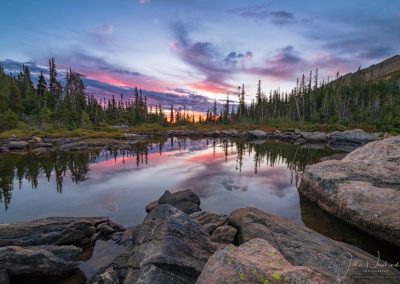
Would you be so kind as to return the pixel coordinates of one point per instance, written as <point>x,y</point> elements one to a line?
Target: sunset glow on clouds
<point>190,52</point>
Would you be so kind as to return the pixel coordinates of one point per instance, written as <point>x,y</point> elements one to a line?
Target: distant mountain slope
<point>386,70</point>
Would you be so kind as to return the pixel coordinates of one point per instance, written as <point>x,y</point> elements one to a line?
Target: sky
<point>190,52</point>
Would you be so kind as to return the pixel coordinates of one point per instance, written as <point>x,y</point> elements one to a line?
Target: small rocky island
<point>178,242</point>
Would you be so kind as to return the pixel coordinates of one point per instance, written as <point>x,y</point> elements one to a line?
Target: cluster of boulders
<point>346,140</point>
<point>179,243</point>
<point>362,189</point>
<point>37,145</point>
<point>248,246</point>
<point>50,246</point>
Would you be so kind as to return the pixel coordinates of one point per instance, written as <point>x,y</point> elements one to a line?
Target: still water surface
<point>225,174</point>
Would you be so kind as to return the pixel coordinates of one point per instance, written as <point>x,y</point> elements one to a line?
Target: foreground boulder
<point>301,246</point>
<point>256,261</point>
<point>79,231</point>
<point>185,200</point>
<point>363,189</point>
<point>43,260</point>
<point>169,247</point>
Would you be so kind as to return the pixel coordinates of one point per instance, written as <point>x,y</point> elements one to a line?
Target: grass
<point>112,133</point>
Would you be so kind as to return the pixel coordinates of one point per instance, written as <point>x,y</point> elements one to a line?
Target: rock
<point>316,136</point>
<point>209,220</point>
<point>39,151</point>
<point>257,134</point>
<point>302,246</point>
<point>48,260</point>
<point>55,231</point>
<point>40,145</point>
<point>4,277</point>
<point>356,136</point>
<point>35,140</point>
<point>75,146</point>
<point>169,247</point>
<point>151,206</point>
<point>185,200</point>
<point>338,157</point>
<point>256,261</point>
<point>4,149</point>
<point>313,146</point>
<point>363,189</point>
<point>224,234</point>
<point>109,276</point>
<point>133,136</point>
<point>17,145</point>
<point>300,141</point>
<point>126,237</point>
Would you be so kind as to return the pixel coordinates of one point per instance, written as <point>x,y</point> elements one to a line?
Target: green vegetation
<point>52,109</point>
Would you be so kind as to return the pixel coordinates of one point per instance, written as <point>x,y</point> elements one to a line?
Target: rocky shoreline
<point>179,243</point>
<point>346,140</point>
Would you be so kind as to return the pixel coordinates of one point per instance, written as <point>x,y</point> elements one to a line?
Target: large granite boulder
<point>168,247</point>
<point>255,261</point>
<point>363,189</point>
<point>43,260</point>
<point>355,137</point>
<point>301,246</point>
<point>79,231</point>
<point>185,200</point>
<point>314,137</point>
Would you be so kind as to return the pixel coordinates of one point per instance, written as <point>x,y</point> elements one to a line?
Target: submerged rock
<point>77,231</point>
<point>362,189</point>
<point>256,261</point>
<point>46,260</point>
<point>185,200</point>
<point>302,246</point>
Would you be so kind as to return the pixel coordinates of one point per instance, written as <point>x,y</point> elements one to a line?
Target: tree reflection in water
<point>16,168</point>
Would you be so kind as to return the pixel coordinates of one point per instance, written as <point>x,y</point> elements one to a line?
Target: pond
<point>225,174</point>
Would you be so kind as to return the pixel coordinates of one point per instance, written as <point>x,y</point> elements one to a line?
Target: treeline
<point>347,100</point>
<point>51,102</point>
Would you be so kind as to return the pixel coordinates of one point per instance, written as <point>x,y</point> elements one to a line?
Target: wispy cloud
<point>102,33</point>
<point>261,12</point>
<point>206,59</point>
